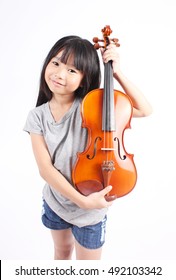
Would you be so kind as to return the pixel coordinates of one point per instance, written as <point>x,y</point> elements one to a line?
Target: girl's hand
<point>97,200</point>
<point>111,54</point>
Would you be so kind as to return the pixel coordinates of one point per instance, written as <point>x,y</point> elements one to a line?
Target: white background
<point>142,224</point>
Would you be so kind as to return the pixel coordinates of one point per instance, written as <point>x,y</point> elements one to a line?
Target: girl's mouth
<point>57,83</point>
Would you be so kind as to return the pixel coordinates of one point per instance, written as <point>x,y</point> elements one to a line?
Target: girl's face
<point>62,79</point>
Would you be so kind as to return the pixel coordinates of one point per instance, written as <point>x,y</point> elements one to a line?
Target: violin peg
<point>115,40</point>
<point>95,39</point>
<point>97,46</point>
<point>117,44</point>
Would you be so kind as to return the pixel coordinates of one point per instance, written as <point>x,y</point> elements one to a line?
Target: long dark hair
<point>85,59</point>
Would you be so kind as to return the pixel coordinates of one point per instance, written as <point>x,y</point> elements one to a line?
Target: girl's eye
<point>55,63</point>
<point>72,71</point>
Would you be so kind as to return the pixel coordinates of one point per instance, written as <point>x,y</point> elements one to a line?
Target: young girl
<point>70,71</point>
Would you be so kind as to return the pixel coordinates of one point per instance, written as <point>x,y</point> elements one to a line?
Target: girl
<point>70,71</point>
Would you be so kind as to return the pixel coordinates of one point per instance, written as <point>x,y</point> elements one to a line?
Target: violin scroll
<point>106,40</point>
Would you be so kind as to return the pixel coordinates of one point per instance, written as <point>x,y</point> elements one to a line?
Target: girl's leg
<point>83,253</point>
<point>63,244</point>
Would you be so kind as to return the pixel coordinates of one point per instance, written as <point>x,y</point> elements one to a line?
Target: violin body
<point>87,173</point>
<point>106,113</point>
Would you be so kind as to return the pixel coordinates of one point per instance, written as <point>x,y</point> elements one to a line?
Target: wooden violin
<point>106,113</point>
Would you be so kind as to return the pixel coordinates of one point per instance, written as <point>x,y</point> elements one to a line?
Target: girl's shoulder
<point>35,118</point>
<point>39,111</point>
<point>40,108</point>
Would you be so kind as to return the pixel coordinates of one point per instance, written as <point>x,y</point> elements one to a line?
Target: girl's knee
<point>63,252</point>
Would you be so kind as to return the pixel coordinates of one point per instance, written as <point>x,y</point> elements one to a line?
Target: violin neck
<point>108,118</point>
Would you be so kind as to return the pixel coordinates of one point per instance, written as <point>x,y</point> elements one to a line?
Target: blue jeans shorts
<point>90,237</point>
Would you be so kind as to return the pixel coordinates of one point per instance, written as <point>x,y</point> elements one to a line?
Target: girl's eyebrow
<point>58,58</point>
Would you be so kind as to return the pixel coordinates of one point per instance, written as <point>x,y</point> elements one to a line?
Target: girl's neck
<point>59,106</point>
<point>61,101</point>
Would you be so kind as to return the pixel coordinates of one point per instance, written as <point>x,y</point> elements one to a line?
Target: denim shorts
<point>90,237</point>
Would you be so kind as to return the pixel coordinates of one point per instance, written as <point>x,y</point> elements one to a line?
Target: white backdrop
<point>142,224</point>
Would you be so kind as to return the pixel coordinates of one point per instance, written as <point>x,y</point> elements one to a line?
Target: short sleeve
<point>33,123</point>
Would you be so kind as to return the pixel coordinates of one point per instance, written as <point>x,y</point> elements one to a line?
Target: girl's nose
<point>60,73</point>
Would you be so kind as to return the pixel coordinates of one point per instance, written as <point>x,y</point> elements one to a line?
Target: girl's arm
<point>141,106</point>
<point>55,179</point>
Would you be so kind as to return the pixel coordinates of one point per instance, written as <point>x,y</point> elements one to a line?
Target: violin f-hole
<point>95,148</point>
<point>119,152</point>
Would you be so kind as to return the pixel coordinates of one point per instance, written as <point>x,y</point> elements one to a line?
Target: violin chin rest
<point>89,186</point>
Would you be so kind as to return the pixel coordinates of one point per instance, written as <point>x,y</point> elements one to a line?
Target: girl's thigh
<point>62,238</point>
<point>83,253</point>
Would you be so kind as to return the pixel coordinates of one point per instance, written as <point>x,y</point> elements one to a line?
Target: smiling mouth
<point>57,83</point>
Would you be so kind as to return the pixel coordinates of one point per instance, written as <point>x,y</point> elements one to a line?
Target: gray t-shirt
<point>64,139</point>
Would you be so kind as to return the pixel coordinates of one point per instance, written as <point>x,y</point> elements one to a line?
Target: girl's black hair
<point>85,59</point>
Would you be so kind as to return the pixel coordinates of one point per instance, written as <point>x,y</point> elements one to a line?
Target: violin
<point>106,113</point>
